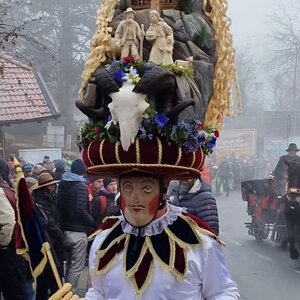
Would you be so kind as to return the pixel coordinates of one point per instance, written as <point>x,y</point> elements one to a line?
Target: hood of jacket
<point>71,177</point>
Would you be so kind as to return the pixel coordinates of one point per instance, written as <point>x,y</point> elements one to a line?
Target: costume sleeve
<point>7,220</point>
<point>96,292</point>
<point>217,283</point>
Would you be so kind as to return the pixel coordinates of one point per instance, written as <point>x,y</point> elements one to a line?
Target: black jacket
<point>49,218</point>
<point>203,205</point>
<point>73,204</point>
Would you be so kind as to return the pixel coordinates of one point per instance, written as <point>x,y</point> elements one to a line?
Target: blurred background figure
<point>44,196</point>
<point>60,168</point>
<point>103,203</point>
<point>195,197</point>
<point>27,170</point>
<point>75,218</point>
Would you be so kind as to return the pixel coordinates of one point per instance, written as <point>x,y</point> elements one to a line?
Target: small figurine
<point>129,36</point>
<point>161,34</point>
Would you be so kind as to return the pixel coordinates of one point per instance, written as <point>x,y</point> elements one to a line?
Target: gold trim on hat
<point>101,152</point>
<point>201,161</point>
<point>88,153</point>
<point>137,151</point>
<point>179,156</point>
<point>117,154</point>
<point>194,159</point>
<point>159,150</point>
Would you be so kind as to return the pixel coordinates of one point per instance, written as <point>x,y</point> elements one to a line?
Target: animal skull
<point>127,108</point>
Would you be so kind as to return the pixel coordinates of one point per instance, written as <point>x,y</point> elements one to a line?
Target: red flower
<point>201,126</point>
<point>128,59</point>
<point>203,139</point>
<point>217,134</point>
<point>97,130</point>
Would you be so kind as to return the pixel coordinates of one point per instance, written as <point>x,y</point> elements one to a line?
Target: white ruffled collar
<point>155,227</point>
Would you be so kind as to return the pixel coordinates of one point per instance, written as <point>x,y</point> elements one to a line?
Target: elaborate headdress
<point>148,117</point>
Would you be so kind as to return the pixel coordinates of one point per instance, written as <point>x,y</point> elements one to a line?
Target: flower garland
<point>189,134</point>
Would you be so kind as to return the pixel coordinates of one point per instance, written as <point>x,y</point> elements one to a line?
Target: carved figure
<point>129,35</point>
<point>161,35</point>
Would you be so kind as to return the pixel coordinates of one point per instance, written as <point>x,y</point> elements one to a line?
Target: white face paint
<point>127,108</point>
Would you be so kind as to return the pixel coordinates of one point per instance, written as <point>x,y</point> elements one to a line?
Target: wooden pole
<point>53,265</point>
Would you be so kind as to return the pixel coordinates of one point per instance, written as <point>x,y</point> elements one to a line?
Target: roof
<point>24,96</point>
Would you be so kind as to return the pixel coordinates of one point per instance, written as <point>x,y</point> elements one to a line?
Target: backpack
<point>102,207</point>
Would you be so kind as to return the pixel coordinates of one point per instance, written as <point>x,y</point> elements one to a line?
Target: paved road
<point>261,271</point>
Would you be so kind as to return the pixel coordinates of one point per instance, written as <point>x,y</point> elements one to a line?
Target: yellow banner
<point>236,142</point>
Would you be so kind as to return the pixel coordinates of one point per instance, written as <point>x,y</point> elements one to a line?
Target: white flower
<point>108,124</point>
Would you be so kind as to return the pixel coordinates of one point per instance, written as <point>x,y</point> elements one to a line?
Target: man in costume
<point>155,250</point>
<point>282,166</point>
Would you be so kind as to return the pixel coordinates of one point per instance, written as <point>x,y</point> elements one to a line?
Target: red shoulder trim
<point>201,223</point>
<point>108,223</point>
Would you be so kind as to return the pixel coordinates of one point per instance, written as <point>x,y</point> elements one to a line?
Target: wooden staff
<point>53,265</point>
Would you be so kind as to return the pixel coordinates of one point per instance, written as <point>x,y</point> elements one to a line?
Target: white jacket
<point>7,220</point>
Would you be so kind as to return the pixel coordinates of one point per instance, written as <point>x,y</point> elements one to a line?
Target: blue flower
<point>161,120</point>
<point>118,75</point>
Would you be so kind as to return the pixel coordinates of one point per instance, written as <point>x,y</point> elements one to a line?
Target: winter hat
<point>49,165</point>
<point>78,167</point>
<point>31,183</point>
<point>27,168</point>
<point>60,164</point>
<point>107,181</point>
<point>45,179</point>
<point>93,178</point>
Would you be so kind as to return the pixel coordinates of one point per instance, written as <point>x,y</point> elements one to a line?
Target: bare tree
<point>285,48</point>
<point>246,70</point>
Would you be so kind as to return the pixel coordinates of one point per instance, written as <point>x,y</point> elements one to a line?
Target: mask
<point>140,199</point>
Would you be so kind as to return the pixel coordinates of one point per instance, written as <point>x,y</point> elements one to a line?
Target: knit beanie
<point>60,164</point>
<point>107,181</point>
<point>78,167</point>
<point>49,165</point>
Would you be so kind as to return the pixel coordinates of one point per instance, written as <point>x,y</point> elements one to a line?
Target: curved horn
<point>96,114</point>
<point>160,87</point>
<point>105,83</point>
<point>154,81</point>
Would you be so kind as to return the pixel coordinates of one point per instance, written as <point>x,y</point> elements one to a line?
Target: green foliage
<point>179,70</point>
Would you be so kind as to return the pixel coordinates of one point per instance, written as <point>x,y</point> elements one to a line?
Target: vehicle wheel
<point>281,240</point>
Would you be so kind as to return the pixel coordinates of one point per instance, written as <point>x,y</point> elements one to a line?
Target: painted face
<point>140,197</point>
